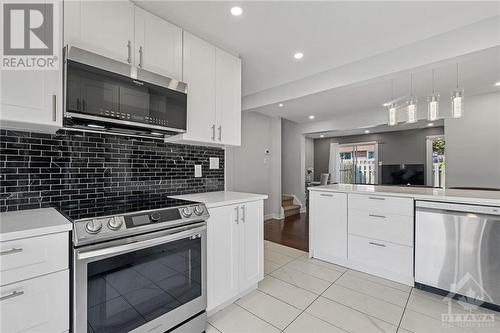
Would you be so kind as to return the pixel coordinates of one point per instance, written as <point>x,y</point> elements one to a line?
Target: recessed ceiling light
<point>311,117</point>
<point>322,136</point>
<point>298,55</point>
<point>236,11</point>
<point>430,124</point>
<point>367,131</point>
<point>280,105</point>
<point>497,84</point>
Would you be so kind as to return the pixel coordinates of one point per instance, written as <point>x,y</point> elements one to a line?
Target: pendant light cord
<point>433,81</point>
<point>457,75</point>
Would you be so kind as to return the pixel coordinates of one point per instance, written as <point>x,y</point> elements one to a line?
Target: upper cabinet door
<point>228,98</point>
<point>199,74</point>
<point>32,99</point>
<point>158,45</point>
<point>102,27</point>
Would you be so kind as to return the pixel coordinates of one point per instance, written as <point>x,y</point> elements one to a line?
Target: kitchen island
<point>371,228</point>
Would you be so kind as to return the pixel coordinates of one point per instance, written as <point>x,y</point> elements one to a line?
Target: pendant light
<point>433,103</point>
<point>411,105</point>
<point>393,121</point>
<point>457,101</point>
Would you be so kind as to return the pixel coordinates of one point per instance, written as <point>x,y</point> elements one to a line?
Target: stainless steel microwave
<point>106,95</point>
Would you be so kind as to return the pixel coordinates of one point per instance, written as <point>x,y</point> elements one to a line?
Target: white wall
<point>293,160</point>
<point>473,143</point>
<point>249,169</point>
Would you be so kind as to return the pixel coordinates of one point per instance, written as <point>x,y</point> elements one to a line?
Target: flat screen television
<point>403,174</point>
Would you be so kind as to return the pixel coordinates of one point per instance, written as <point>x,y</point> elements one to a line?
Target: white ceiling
<point>478,73</point>
<point>330,34</point>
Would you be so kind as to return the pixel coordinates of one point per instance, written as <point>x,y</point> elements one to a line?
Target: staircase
<point>288,206</point>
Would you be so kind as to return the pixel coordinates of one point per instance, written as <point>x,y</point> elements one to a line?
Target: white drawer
<point>381,204</point>
<point>383,256</point>
<point>29,257</point>
<point>388,227</point>
<point>36,305</point>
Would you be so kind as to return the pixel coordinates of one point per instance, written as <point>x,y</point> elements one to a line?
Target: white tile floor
<point>299,294</point>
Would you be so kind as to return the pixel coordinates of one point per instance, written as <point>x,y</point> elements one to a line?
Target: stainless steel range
<point>141,270</point>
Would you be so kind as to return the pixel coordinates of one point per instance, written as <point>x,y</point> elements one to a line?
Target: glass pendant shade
<point>433,107</point>
<point>457,104</point>
<point>411,110</point>
<point>392,115</point>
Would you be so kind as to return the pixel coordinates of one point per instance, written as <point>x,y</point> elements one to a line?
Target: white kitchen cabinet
<point>32,99</point>
<point>235,251</point>
<point>102,27</point>
<point>222,255</point>
<point>228,98</point>
<point>36,305</point>
<point>158,45</point>
<point>328,226</point>
<point>213,77</point>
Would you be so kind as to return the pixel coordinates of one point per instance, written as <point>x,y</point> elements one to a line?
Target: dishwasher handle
<point>461,209</point>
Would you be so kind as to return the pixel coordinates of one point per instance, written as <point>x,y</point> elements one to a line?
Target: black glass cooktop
<point>120,205</point>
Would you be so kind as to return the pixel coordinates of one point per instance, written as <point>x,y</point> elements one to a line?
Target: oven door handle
<point>139,245</point>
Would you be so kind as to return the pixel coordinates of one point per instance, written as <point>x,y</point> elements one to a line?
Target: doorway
<point>356,163</point>
<point>435,160</point>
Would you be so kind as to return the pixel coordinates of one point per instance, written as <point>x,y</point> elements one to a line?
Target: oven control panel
<point>111,227</point>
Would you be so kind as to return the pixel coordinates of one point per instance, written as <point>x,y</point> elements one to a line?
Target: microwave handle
<point>121,249</point>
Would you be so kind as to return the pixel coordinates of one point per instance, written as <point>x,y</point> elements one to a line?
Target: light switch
<point>214,162</point>
<point>197,170</point>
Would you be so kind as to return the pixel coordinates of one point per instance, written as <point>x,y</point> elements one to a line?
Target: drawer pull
<point>11,251</point>
<point>326,195</point>
<point>377,216</point>
<point>377,244</point>
<point>376,198</point>
<point>13,294</point>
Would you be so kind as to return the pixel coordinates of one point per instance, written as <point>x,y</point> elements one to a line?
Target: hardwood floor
<point>292,231</point>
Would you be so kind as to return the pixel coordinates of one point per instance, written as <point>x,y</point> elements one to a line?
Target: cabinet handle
<point>237,215</point>
<point>54,107</point>
<point>213,132</point>
<point>13,294</point>
<point>376,198</point>
<point>376,244</point>
<point>129,54</point>
<point>243,213</point>
<point>11,251</point>
<point>326,195</point>
<point>379,216</point>
<point>140,56</point>
<point>220,132</point>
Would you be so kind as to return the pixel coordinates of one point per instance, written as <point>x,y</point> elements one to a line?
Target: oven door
<point>146,283</point>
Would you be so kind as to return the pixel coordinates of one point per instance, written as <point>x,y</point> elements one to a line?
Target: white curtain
<point>334,162</point>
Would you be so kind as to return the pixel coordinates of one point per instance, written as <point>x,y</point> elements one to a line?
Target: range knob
<point>155,216</point>
<point>114,223</point>
<point>198,210</point>
<point>186,211</point>
<point>93,227</point>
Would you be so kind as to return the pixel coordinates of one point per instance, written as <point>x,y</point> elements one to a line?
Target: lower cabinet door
<point>251,244</point>
<point>222,255</point>
<point>328,225</point>
<point>36,305</point>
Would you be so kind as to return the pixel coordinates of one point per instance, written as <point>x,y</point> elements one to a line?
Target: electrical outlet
<point>197,170</point>
<point>214,162</point>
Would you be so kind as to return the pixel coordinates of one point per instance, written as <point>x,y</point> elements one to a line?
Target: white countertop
<point>31,223</point>
<point>221,198</point>
<point>418,193</point>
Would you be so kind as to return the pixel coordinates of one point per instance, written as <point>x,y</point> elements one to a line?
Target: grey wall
<point>473,144</point>
<point>394,147</point>
<point>292,160</point>
<point>249,168</point>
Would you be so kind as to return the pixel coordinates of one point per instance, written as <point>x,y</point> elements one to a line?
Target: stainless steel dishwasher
<point>457,249</point>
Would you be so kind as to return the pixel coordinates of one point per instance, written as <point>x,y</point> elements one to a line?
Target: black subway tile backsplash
<point>73,170</point>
